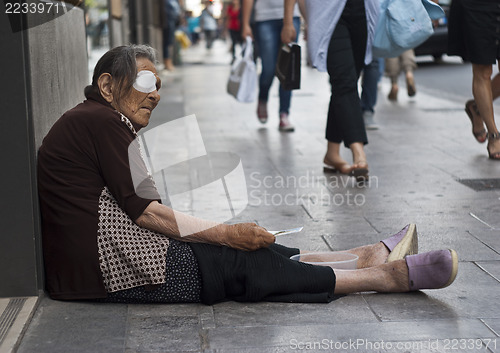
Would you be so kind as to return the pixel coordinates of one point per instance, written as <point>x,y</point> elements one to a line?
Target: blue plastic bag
<point>403,25</point>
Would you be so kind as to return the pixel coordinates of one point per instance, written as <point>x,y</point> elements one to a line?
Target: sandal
<point>471,109</point>
<point>410,87</point>
<point>403,243</point>
<point>262,111</point>
<point>361,172</point>
<point>393,94</point>
<point>492,137</point>
<point>329,167</point>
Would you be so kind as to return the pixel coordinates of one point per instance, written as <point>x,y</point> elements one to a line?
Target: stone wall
<point>43,66</point>
<point>58,65</point>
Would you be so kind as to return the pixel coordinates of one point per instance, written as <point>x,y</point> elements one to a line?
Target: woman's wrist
<point>223,232</point>
<point>288,22</point>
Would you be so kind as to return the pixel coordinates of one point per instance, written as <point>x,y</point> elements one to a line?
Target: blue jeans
<point>371,75</point>
<point>168,37</point>
<point>268,40</point>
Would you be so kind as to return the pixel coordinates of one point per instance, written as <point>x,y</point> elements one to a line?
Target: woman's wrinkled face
<point>138,104</point>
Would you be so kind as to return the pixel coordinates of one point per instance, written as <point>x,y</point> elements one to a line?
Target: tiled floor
<point>415,167</point>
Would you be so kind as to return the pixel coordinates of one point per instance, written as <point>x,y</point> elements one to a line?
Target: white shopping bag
<point>242,83</point>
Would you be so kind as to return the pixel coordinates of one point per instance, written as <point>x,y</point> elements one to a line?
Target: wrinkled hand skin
<point>248,236</point>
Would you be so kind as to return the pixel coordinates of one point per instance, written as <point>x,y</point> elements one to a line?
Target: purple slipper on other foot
<point>432,270</point>
<point>403,243</point>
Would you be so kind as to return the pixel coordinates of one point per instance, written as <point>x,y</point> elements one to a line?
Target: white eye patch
<point>145,81</point>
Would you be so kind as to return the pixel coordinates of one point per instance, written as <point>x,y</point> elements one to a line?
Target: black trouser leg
<point>345,61</point>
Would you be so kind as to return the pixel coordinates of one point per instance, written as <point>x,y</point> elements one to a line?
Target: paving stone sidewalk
<point>425,168</point>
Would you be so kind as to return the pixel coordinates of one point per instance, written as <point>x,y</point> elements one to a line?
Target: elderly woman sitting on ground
<point>102,241</point>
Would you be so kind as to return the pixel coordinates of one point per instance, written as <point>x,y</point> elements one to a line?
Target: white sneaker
<point>285,124</point>
<point>262,111</point>
<point>369,119</point>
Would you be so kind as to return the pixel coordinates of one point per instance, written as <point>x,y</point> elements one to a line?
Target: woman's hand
<point>246,31</point>
<point>246,12</point>
<point>247,236</point>
<point>288,33</point>
<point>242,236</point>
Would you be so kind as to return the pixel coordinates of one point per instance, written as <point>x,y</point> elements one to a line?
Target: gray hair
<point>120,63</point>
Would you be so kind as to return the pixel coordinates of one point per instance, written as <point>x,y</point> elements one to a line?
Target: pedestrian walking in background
<point>233,25</point>
<point>394,66</point>
<point>208,23</point>
<point>340,35</point>
<point>193,27</point>
<point>369,91</point>
<point>268,16</point>
<point>474,34</point>
<point>171,18</point>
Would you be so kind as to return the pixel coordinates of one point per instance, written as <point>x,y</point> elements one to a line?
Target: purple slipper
<point>432,270</point>
<point>403,243</point>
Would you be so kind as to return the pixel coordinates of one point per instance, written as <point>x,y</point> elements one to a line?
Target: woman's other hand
<point>246,31</point>
<point>288,33</point>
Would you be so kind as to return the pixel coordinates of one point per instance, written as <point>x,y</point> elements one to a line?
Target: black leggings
<point>211,274</point>
<point>264,275</point>
<point>235,39</point>
<point>345,61</point>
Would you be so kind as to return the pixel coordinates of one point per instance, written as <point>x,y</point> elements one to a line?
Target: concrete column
<point>155,28</point>
<point>139,22</point>
<point>116,30</point>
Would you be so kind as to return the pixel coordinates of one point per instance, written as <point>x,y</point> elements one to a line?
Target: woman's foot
<point>337,165</point>
<point>410,84</point>
<point>360,171</point>
<point>403,243</point>
<point>395,277</point>
<point>262,111</point>
<point>390,277</point>
<point>361,165</point>
<point>494,146</point>
<point>432,270</point>
<point>393,94</point>
<point>478,129</point>
<point>285,124</point>
<point>393,248</point>
<point>371,255</point>
<point>169,65</point>
<point>359,156</point>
